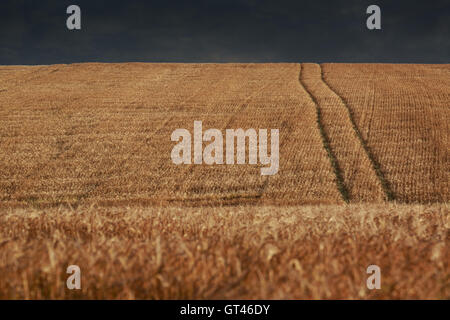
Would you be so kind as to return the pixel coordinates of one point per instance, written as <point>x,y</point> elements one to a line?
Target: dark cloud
<point>34,32</point>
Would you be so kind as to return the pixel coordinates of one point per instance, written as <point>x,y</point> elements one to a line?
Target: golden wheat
<point>230,252</point>
<point>86,178</point>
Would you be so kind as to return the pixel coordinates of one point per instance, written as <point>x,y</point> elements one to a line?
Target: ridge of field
<point>403,113</point>
<point>240,252</point>
<point>100,133</point>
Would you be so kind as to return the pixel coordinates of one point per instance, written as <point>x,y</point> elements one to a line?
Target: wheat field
<point>86,178</point>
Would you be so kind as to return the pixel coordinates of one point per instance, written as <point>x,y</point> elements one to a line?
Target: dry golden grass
<point>229,252</point>
<point>96,138</point>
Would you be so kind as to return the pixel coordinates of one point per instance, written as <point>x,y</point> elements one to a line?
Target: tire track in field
<point>357,178</point>
<point>188,171</point>
<point>259,194</point>
<point>389,194</point>
<point>231,118</point>
<point>326,143</point>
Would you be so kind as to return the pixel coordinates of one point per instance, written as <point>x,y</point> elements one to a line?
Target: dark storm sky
<point>34,31</point>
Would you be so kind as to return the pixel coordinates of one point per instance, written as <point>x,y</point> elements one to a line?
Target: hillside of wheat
<point>86,178</point>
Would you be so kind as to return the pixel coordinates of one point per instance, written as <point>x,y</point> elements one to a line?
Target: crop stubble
<point>97,137</point>
<point>99,133</point>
